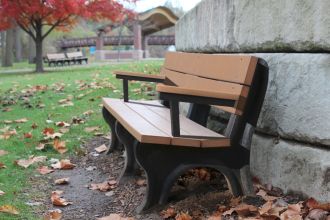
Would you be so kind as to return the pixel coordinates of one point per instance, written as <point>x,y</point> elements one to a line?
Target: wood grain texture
<point>150,123</point>
<point>231,68</point>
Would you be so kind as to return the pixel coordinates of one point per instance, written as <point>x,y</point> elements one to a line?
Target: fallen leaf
<point>292,213</point>
<point>22,120</point>
<point>103,187</point>
<point>59,146</point>
<point>89,112</point>
<point>168,213</point>
<point>64,164</point>
<point>62,181</point>
<point>34,126</point>
<point>64,130</point>
<point>101,148</point>
<point>26,163</point>
<point>57,200</point>
<point>92,129</point>
<point>204,174</point>
<point>7,122</point>
<point>9,209</point>
<point>141,182</point>
<point>3,152</point>
<point>48,131</point>
<point>45,170</point>
<point>317,214</point>
<point>114,217</point>
<point>40,146</point>
<point>62,124</point>
<point>183,216</point>
<point>2,165</point>
<point>7,133</point>
<point>2,193</point>
<point>53,215</point>
<point>28,135</point>
<point>313,204</point>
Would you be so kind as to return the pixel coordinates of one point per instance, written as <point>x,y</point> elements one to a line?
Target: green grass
<point>20,65</point>
<point>16,181</point>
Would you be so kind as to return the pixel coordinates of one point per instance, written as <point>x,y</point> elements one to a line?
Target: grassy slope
<point>14,179</point>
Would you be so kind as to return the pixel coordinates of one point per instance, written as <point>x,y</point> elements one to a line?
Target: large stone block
<point>292,166</point>
<point>255,26</point>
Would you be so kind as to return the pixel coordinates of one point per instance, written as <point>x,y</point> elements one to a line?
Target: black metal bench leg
<point>164,164</point>
<point>114,142</point>
<point>131,168</point>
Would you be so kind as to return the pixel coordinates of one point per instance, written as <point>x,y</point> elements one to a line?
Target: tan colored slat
<point>216,143</point>
<point>231,110</point>
<point>126,73</point>
<point>196,92</point>
<point>192,128</point>
<point>232,68</point>
<point>195,82</point>
<point>135,124</point>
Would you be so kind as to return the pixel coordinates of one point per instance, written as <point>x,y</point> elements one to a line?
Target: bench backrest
<point>240,75</point>
<point>55,56</point>
<point>76,54</point>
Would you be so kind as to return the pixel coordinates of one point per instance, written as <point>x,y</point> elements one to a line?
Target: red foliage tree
<point>33,15</point>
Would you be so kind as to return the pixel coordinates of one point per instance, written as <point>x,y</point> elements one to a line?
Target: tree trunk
<point>3,47</point>
<point>8,58</point>
<point>18,45</point>
<point>38,42</point>
<point>32,50</point>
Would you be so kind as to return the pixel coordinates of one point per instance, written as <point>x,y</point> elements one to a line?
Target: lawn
<point>44,99</point>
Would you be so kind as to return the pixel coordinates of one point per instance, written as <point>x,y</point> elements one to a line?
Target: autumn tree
<point>38,18</point>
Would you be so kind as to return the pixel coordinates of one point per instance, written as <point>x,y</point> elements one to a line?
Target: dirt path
<point>189,194</point>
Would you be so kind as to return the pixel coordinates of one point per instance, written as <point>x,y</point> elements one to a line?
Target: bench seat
<point>150,122</point>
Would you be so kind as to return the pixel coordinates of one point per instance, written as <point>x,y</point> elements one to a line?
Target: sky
<point>143,5</point>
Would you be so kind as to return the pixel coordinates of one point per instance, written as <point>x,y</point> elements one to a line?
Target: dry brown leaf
<point>7,133</point>
<point>2,165</point>
<point>7,122</point>
<point>2,193</point>
<point>9,209</point>
<point>103,187</point>
<point>204,174</point>
<point>22,120</point>
<point>317,214</point>
<point>92,129</point>
<point>62,181</point>
<point>141,182</point>
<point>292,213</point>
<point>34,126</point>
<point>28,135</point>
<point>3,152</point>
<point>215,216</point>
<point>26,163</point>
<point>101,148</point>
<point>168,213</point>
<point>62,124</point>
<point>265,196</point>
<point>53,215</point>
<point>64,164</point>
<point>89,112</point>
<point>183,216</point>
<point>48,131</point>
<point>45,170</point>
<point>114,217</point>
<point>57,200</point>
<point>59,146</point>
<point>40,146</point>
<point>311,203</point>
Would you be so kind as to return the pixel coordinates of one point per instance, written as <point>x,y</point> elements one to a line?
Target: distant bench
<point>57,59</point>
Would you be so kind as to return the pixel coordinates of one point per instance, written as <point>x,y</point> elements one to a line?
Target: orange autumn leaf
<point>103,187</point>
<point>26,163</point>
<point>28,135</point>
<point>64,164</point>
<point>48,131</point>
<point>53,215</point>
<point>183,216</point>
<point>62,124</point>
<point>101,148</point>
<point>3,152</point>
<point>2,165</point>
<point>62,181</point>
<point>313,204</point>
<point>45,170</point>
<point>58,200</point>
<point>168,213</point>
<point>9,209</point>
<point>59,146</point>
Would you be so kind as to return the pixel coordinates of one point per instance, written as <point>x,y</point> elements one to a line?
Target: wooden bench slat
<point>150,123</point>
<point>135,124</point>
<point>231,68</point>
<point>136,74</point>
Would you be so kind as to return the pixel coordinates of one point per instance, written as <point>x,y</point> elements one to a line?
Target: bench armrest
<point>178,94</point>
<point>139,76</point>
<point>125,76</point>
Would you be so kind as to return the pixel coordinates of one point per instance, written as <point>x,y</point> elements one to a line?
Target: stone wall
<point>292,147</point>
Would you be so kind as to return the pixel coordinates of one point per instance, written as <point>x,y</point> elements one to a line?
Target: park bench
<point>166,143</point>
<point>76,57</point>
<point>56,59</point>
